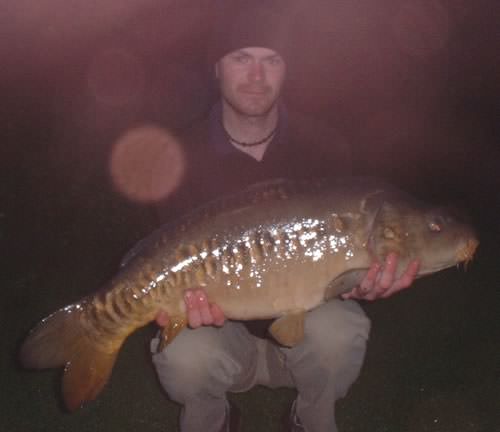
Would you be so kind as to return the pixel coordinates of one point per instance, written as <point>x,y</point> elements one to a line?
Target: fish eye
<point>437,221</point>
<point>435,226</point>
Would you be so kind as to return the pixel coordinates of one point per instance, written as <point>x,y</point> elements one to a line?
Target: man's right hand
<point>199,311</point>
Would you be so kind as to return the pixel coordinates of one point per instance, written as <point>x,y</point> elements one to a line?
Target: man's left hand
<point>381,281</point>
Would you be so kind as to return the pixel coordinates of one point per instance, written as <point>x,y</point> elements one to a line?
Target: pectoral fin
<point>289,329</point>
<point>344,283</point>
<point>169,332</point>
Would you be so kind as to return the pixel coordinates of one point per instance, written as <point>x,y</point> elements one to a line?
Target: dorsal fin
<point>266,191</point>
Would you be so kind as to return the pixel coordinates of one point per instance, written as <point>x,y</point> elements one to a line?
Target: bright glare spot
<point>116,77</point>
<point>420,27</point>
<point>147,164</point>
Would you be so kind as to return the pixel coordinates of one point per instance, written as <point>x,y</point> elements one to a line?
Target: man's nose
<point>256,71</point>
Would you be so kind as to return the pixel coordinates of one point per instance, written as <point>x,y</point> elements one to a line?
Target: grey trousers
<point>200,366</point>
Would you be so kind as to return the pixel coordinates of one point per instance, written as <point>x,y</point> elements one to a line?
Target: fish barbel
<point>275,250</point>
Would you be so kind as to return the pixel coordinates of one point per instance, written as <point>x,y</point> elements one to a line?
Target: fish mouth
<point>462,258</point>
<point>466,253</point>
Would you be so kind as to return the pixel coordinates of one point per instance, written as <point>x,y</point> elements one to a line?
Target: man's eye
<point>241,59</point>
<point>274,61</point>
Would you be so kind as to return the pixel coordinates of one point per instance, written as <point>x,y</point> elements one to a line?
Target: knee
<point>197,362</point>
<point>335,341</point>
<point>337,325</point>
<point>185,365</point>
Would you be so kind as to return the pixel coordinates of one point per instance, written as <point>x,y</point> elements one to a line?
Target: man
<point>250,136</point>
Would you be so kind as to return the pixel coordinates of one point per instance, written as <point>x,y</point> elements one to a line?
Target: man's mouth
<point>254,91</point>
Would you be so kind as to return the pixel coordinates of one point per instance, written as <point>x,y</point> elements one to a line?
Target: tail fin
<point>61,340</point>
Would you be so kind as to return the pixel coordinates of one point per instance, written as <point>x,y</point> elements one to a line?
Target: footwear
<point>233,416</point>
<point>291,421</point>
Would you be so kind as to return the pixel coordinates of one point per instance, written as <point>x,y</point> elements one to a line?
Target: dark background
<point>413,86</point>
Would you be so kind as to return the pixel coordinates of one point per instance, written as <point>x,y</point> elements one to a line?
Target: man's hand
<point>200,311</point>
<point>381,282</point>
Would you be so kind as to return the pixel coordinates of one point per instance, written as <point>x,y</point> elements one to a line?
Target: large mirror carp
<point>275,250</point>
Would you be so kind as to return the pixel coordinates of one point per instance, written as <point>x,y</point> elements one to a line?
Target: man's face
<point>250,80</point>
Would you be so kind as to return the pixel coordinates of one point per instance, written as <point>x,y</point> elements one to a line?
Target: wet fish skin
<point>273,251</point>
